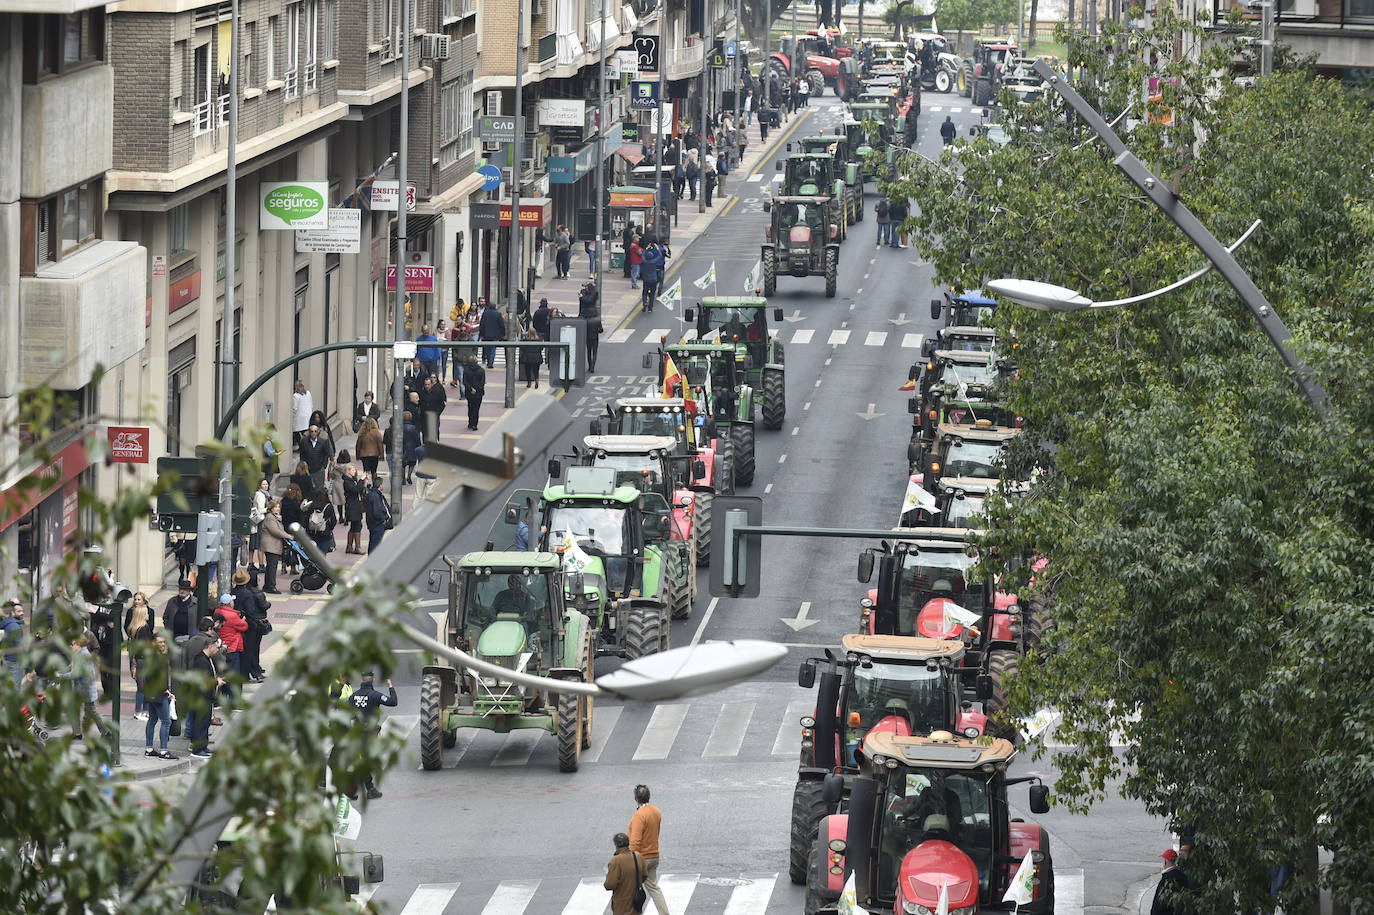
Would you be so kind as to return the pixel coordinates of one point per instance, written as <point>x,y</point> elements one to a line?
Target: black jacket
<point>353,497</point>
<point>366,699</point>
<point>492,326</point>
<point>411,441</point>
<point>434,400</point>
<point>948,130</point>
<point>540,320</point>
<point>316,453</point>
<point>179,617</point>
<point>474,380</point>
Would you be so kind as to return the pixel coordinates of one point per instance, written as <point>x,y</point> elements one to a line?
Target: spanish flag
<point>689,400</point>
<point>671,377</point>
<point>909,386</point>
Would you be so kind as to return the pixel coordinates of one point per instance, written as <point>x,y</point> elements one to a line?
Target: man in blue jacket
<point>651,272</point>
<point>491,326</point>
<point>429,356</point>
<point>365,701</point>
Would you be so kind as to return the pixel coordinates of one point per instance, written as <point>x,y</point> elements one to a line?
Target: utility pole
<point>660,203</point>
<point>601,156</point>
<point>766,71</point>
<point>517,154</point>
<point>1266,37</point>
<point>227,353</point>
<point>701,100</point>
<point>735,70</point>
<point>398,391</point>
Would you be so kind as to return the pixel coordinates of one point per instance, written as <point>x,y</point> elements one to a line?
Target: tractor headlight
<point>971,731</point>
<point>808,722</point>
<point>838,846</point>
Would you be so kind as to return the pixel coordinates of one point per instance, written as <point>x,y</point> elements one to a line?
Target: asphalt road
<point>500,830</point>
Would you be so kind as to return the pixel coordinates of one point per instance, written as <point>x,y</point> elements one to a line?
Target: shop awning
<point>630,154</point>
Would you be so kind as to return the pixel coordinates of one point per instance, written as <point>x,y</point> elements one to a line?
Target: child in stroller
<point>312,577</point>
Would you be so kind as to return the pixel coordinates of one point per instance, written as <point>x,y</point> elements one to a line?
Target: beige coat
<point>274,536</point>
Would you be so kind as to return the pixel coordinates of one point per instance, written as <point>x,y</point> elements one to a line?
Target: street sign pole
<point>227,350</point>
<point>701,101</point>
<point>399,311</point>
<point>601,157</point>
<point>517,153</point>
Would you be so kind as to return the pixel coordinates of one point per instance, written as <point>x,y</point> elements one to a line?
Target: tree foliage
<point>1207,535</point>
<point>972,15</point>
<point>76,838</point>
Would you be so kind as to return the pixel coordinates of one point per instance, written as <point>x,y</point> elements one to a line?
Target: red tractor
<point>982,74</point>
<point>822,66</point>
<point>928,817</point>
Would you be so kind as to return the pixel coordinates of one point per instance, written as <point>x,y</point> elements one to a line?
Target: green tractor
<point>742,321</point>
<point>718,377</point>
<point>847,164</point>
<point>634,576</point>
<point>508,608</point>
<point>816,175</point>
<point>873,127</point>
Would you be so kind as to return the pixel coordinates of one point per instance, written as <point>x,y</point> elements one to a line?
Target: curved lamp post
<point>1052,298</point>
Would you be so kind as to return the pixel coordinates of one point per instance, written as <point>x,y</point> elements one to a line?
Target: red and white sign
<point>418,278</point>
<point>384,194</point>
<point>129,444</point>
<point>159,265</point>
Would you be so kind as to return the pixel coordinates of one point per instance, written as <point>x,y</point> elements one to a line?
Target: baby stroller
<point>312,577</point>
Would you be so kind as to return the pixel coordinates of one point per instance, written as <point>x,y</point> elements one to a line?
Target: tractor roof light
<point>855,719</point>
<point>972,731</point>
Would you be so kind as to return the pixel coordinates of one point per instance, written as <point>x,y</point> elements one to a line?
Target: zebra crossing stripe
<point>661,731</point>
<point>728,735</point>
<point>518,747</point>
<point>430,899</point>
<point>875,338</point>
<point>789,738</point>
<point>620,336</point>
<point>803,336</point>
<point>1068,892</point>
<point>678,889</point>
<point>511,898</point>
<point>590,898</point>
<point>838,337</point>
<point>656,335</point>
<point>752,897</point>
<point>603,722</point>
<point>912,341</point>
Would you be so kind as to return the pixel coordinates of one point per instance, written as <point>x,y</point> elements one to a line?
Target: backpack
<point>316,523</point>
<point>883,209</point>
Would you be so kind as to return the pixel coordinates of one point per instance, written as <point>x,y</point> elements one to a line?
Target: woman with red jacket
<point>231,632</point>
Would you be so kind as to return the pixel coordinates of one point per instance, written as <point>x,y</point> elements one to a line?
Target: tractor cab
<point>642,461</point>
<point>710,370</point>
<point>651,416</point>
<point>833,145</point>
<point>958,503</point>
<point>923,585</point>
<point>738,321</point>
<point>510,611</point>
<point>878,112</point>
<point>884,57</point>
<point>970,372</point>
<point>966,450</point>
<point>801,226</point>
<point>967,310</point>
<point>807,174</point>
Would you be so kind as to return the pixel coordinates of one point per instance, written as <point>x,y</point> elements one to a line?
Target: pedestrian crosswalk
<point>686,894</point>
<point>940,108</point>
<point>740,729</point>
<point>801,336</point>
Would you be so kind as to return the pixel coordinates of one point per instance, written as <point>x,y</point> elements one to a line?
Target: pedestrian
<point>301,477</point>
<point>474,386</point>
<point>433,400</point>
<point>708,179</point>
<point>12,637</point>
<point>316,453</point>
<point>252,604</point>
<point>562,244</point>
<point>86,681</point>
<point>179,613</point>
<point>625,235</point>
<point>589,246</point>
<point>198,722</point>
<point>803,93</point>
<point>291,501</point>
<point>233,625</point>
<point>138,632</point>
<point>593,338</point>
<point>462,331</point>
<point>353,484</point>
<point>722,169</point>
<point>635,257</point>
<point>948,131</point>
<point>882,211</point>
<point>428,355</point>
<point>412,445</point>
<point>896,215</point>
<point>274,537</point>
<point>365,702</point>
<point>1173,882</point>
<point>651,270</point>
<point>541,318</point>
<point>156,665</point>
<point>336,490</point>
<point>302,405</point>
<point>644,829</point>
<point>256,512</point>
<point>531,357</point>
<point>492,326</point>
<point>441,332</point>
<point>370,446</point>
<point>320,519</point>
<point>692,171</point>
<point>624,875</point>
<point>377,513</point>
<point>764,118</point>
<point>747,112</point>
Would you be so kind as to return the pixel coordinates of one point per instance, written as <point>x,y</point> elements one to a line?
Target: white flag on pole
<point>707,280</point>
<point>956,615</point>
<point>1022,889</point>
<point>673,296</point>
<point>849,902</point>
<point>751,282</point>
<point>1037,724</point>
<point>917,497</point>
<point>348,822</point>
<point>942,906</point>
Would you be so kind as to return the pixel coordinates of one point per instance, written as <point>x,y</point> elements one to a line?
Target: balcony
<point>594,31</point>
<point>68,130</point>
<point>684,63</point>
<point>85,309</point>
<point>548,49</point>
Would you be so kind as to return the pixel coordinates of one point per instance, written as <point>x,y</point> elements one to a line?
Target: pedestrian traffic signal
<point>208,537</point>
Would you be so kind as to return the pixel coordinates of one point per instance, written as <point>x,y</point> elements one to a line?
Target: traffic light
<point>208,527</point>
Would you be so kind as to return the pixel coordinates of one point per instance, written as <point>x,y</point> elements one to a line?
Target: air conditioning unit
<point>491,148</point>
<point>558,149</point>
<point>1298,9</point>
<point>528,166</point>
<point>434,47</point>
<point>493,106</point>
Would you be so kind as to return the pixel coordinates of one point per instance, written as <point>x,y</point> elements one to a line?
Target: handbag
<point>174,723</point>
<point>264,625</point>
<point>640,897</point>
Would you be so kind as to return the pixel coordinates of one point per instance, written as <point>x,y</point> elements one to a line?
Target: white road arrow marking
<point>900,319</point>
<point>795,316</point>
<point>869,414</point>
<point>800,622</point>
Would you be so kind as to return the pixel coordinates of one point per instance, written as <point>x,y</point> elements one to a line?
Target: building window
<point>178,75</point>
<point>56,44</point>
<point>455,120</point>
<point>1360,9</point>
<point>331,29</point>
<point>204,88</point>
<point>179,229</point>
<point>56,226</point>
<point>270,70</point>
<point>393,28</point>
<point>312,31</point>
<point>250,32</point>
<point>293,49</point>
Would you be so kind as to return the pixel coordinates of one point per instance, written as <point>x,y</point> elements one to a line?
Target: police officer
<point>365,700</point>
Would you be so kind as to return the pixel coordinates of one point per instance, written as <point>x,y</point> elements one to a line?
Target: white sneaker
<point>141,716</point>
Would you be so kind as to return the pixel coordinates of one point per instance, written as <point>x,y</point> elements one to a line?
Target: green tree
<point>1207,536</point>
<point>74,838</point>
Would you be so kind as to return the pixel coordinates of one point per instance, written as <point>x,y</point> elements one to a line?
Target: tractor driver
<point>734,328</point>
<point>515,599</point>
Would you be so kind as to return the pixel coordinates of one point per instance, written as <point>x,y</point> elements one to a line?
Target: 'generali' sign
<point>129,444</point>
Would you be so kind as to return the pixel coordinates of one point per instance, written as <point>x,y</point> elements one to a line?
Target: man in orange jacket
<point>644,828</point>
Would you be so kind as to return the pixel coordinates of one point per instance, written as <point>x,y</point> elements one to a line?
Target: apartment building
<point>1339,33</point>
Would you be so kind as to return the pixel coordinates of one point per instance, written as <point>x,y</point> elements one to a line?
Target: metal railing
<point>680,63</point>
<point>293,83</point>
<point>205,116</point>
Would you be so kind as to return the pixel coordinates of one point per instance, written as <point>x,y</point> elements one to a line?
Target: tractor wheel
<point>774,399</point>
<point>431,723</point>
<point>807,809</point>
<point>817,876</point>
<point>725,460</point>
<point>943,82</point>
<point>742,437</point>
<point>1038,622</point>
<point>859,203</point>
<point>832,272</point>
<point>1003,664</point>
<point>642,632</point>
<point>701,520</point>
<point>770,271</point>
<point>680,607</point>
<point>817,82</point>
<point>569,732</point>
<point>965,80</point>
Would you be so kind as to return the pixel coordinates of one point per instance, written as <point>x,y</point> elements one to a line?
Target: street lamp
<point>1220,256</point>
<point>1049,297</point>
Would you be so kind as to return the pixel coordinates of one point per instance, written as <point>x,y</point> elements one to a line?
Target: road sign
<point>492,176</point>
<point>717,60</point>
<point>496,128</point>
<point>644,95</point>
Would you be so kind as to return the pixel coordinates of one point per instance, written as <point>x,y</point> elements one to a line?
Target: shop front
<point>37,523</point>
